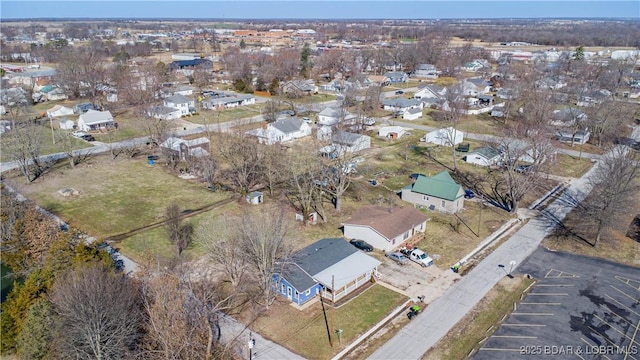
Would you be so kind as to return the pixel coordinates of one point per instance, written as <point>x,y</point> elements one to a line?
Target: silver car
<point>397,257</point>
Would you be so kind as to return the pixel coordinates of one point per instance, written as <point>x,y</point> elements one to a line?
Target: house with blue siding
<point>331,268</point>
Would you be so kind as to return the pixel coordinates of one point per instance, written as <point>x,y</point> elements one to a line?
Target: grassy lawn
<point>153,244</point>
<point>305,331</point>
<point>480,321</point>
<point>116,196</point>
<point>475,124</point>
<point>47,145</point>
<point>216,116</point>
<point>569,166</point>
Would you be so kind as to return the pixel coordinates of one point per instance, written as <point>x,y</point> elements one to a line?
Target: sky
<point>313,9</point>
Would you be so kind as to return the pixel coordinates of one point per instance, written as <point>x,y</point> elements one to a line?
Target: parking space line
<point>536,303</point>
<point>590,345</point>
<point>616,329</point>
<point>524,325</point>
<point>553,273</point>
<point>614,313</point>
<point>514,336</point>
<point>549,294</point>
<point>621,304</point>
<point>625,294</point>
<point>533,314</point>
<point>629,282</point>
<point>498,349</point>
<point>604,337</point>
<point>634,336</point>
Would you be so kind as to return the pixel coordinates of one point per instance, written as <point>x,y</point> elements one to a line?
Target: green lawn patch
<point>570,166</point>
<point>116,196</point>
<point>305,333</point>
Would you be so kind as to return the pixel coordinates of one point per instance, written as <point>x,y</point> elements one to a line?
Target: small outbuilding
<point>391,132</point>
<point>444,137</point>
<point>255,198</point>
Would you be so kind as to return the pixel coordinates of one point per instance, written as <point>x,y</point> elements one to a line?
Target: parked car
<point>362,245</point>
<point>399,92</point>
<point>79,133</point>
<point>88,137</point>
<point>523,168</point>
<point>399,258</point>
<point>468,194</point>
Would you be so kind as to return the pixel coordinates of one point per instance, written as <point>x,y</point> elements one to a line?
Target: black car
<point>399,92</point>
<point>362,245</point>
<point>88,137</point>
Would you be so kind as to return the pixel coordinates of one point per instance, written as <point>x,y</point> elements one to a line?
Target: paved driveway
<point>579,308</point>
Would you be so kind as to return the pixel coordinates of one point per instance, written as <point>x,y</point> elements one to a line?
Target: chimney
<point>264,125</point>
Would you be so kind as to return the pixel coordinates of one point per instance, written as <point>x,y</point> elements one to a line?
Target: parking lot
<point>579,308</point>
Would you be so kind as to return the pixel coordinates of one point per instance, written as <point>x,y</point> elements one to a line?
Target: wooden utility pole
<point>325,321</point>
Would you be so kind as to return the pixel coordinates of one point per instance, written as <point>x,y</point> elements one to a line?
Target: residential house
<point>331,268</point>
<point>186,149</point>
<point>180,102</point>
<point>593,97</point>
<point>401,104</point>
<point>498,111</point>
<point>84,107</point>
<point>189,65</point>
<point>58,111</point>
<point>391,132</point>
<point>484,156</point>
<point>358,82</point>
<point>95,120</point>
<point>412,114</point>
<point>53,93</point>
<point>579,137</point>
<point>475,65</point>
<point>381,80</point>
<point>475,86</point>
<point>568,117</point>
<point>439,192</point>
<point>345,143</point>
<point>427,71</point>
<point>430,91</point>
<point>507,93</point>
<point>67,124</point>
<point>298,88</point>
<point>184,90</point>
<point>444,137</point>
<point>164,112</point>
<point>396,77</point>
<point>280,131</point>
<point>228,102</point>
<point>385,228</point>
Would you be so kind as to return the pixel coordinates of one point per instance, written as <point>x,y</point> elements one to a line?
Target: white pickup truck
<point>418,256</point>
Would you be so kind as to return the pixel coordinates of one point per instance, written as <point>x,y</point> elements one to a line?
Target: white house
<point>58,111</point>
<point>439,192</point>
<point>392,132</point>
<point>427,71</point>
<point>164,112</point>
<point>94,120</point>
<point>430,91</point>
<point>180,102</point>
<point>484,156</point>
<point>579,137</point>
<point>186,149</point>
<point>346,142</point>
<point>412,114</point>
<point>331,116</point>
<point>444,137</point>
<point>385,228</point>
<point>67,124</point>
<point>280,131</point>
<point>475,86</point>
<point>401,104</point>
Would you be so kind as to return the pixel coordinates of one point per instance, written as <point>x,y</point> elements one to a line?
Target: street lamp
<point>505,271</point>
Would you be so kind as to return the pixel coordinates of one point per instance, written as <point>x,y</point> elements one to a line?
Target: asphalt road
<point>579,307</point>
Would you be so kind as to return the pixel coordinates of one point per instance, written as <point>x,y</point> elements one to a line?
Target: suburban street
<point>442,315</point>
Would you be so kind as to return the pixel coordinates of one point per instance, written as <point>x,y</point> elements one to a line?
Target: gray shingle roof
<point>288,125</point>
<point>322,254</point>
<point>177,99</point>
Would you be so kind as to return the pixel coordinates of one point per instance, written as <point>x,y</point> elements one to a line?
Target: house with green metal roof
<point>439,192</point>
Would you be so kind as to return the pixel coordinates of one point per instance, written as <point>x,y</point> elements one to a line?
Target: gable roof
<point>346,138</point>
<point>288,125</point>
<point>322,254</point>
<point>330,112</point>
<point>400,102</point>
<point>177,99</point>
<point>441,186</point>
<point>96,117</point>
<point>389,222</point>
<point>487,152</point>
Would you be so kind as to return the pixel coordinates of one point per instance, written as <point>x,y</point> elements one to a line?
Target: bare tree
<point>24,145</point>
<point>456,108</point>
<point>179,234</point>
<point>98,314</point>
<point>243,160</point>
<point>614,182</point>
<point>265,236</point>
<point>303,171</point>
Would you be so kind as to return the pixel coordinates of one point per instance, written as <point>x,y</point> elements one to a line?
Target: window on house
<point>308,292</point>
<point>442,203</point>
<point>297,294</point>
<point>425,197</point>
<point>282,288</point>
<point>405,236</point>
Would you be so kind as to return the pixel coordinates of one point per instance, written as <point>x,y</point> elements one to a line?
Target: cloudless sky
<point>310,9</point>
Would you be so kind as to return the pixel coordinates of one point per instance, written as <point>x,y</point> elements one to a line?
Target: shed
<point>67,124</point>
<point>392,132</point>
<point>254,198</point>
